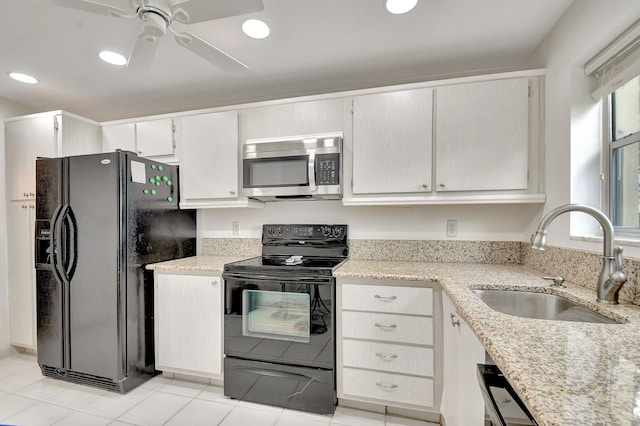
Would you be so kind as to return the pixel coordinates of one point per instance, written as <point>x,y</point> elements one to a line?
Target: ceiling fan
<point>157,17</point>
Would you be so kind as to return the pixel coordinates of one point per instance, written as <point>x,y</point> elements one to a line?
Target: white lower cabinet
<point>462,402</point>
<point>385,346</point>
<point>188,324</point>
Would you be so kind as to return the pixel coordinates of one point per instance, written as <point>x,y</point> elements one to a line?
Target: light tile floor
<point>29,399</point>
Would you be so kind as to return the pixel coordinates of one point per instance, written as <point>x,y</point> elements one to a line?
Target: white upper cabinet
<point>467,140</point>
<point>119,136</point>
<point>154,138</point>
<point>209,160</point>
<point>392,136</point>
<point>49,134</point>
<point>292,119</point>
<point>482,134</point>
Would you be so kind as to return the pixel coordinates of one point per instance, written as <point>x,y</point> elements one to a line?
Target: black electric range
<point>279,318</point>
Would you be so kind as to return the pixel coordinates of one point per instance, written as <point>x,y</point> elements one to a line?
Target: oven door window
<point>276,172</point>
<point>276,315</point>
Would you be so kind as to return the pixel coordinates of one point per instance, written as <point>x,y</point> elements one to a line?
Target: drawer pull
<point>385,326</point>
<point>386,386</point>
<point>386,357</point>
<point>385,298</point>
<point>454,322</point>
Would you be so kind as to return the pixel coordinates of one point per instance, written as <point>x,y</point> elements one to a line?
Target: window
<point>624,154</point>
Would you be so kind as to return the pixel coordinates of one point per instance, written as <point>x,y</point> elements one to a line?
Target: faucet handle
<point>617,257</point>
<point>558,281</point>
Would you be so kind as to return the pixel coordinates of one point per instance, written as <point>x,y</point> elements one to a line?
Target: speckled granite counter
<point>196,264</point>
<point>567,373</point>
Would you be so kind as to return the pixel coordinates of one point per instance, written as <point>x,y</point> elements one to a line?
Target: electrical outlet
<point>235,227</point>
<point>452,228</point>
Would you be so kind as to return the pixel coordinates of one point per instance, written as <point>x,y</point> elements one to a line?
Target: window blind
<point>617,63</point>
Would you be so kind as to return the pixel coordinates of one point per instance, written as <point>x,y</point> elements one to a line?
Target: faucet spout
<point>612,277</point>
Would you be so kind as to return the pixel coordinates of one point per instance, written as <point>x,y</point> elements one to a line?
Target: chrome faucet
<point>612,277</point>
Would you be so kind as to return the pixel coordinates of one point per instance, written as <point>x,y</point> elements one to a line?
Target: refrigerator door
<point>97,291</point>
<point>50,287</point>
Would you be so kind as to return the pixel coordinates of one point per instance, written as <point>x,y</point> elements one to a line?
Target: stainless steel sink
<point>528,304</point>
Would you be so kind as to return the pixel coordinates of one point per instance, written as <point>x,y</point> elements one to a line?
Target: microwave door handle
<point>312,171</point>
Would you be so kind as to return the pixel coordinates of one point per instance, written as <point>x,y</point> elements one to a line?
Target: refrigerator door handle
<point>56,236</point>
<point>70,259</point>
<point>57,258</point>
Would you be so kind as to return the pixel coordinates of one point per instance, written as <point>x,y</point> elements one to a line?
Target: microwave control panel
<point>328,169</point>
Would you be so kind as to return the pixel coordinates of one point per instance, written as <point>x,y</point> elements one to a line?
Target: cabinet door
<point>21,273</point>
<point>25,140</point>
<point>462,403</point>
<point>392,134</point>
<point>482,132</point>
<point>294,119</point>
<point>119,136</point>
<point>189,324</point>
<point>155,138</point>
<point>209,157</point>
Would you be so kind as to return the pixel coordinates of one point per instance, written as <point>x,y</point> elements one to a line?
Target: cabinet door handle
<point>214,282</point>
<point>385,326</point>
<point>385,298</point>
<point>454,321</point>
<point>232,192</point>
<point>386,357</point>
<point>425,186</point>
<point>386,386</point>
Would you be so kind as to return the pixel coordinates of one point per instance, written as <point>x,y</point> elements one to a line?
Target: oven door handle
<point>277,278</point>
<point>274,373</point>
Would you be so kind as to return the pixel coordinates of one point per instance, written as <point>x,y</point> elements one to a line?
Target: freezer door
<point>97,292</point>
<point>50,287</point>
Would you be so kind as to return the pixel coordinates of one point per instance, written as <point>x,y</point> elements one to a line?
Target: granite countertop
<point>567,373</point>
<point>195,264</point>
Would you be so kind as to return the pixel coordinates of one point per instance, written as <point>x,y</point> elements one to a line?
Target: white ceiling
<point>315,46</point>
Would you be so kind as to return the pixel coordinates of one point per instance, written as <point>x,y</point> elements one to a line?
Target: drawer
<point>388,357</point>
<point>388,387</point>
<point>387,327</point>
<point>388,298</point>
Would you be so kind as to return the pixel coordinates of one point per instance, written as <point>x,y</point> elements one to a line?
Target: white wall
<point>7,109</point>
<point>487,222</point>
<point>572,121</point>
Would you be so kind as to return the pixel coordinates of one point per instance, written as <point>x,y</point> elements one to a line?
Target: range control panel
<point>302,232</point>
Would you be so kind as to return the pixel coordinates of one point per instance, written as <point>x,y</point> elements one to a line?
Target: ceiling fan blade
<point>143,51</point>
<point>92,7</point>
<point>193,11</point>
<point>212,54</point>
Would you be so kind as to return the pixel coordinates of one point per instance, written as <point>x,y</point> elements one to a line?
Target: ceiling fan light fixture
<point>255,28</point>
<point>23,78</point>
<point>398,7</point>
<point>112,58</point>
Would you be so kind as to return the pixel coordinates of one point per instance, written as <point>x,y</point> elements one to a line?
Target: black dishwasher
<point>503,406</point>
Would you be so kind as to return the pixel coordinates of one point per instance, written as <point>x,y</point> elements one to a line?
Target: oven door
<point>287,320</point>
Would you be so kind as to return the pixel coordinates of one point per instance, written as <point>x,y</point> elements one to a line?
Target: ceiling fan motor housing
<point>154,20</point>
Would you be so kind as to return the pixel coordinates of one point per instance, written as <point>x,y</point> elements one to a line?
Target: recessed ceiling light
<point>112,57</point>
<point>398,7</point>
<point>255,28</point>
<point>24,78</point>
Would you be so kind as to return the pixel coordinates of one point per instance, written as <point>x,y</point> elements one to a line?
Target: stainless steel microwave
<point>301,167</point>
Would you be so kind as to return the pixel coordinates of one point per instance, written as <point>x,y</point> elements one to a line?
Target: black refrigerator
<point>100,219</point>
